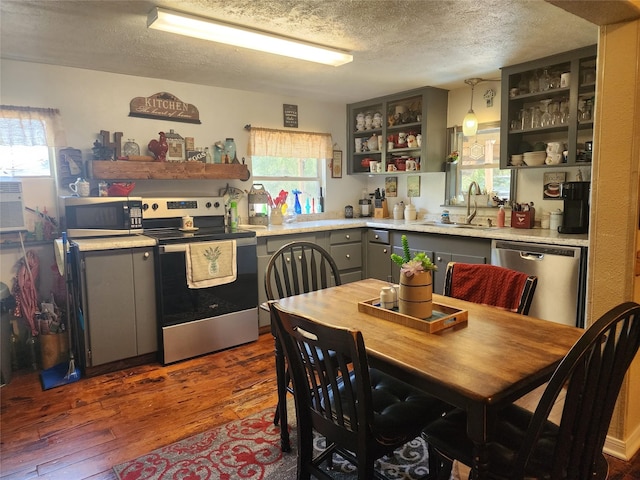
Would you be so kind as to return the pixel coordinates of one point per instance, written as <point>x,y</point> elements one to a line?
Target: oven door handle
<point>182,247</point>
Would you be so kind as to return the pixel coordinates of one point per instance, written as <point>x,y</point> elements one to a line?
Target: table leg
<point>478,430</point>
<point>285,444</point>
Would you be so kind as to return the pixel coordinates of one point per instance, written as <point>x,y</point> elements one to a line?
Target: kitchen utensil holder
<point>381,210</point>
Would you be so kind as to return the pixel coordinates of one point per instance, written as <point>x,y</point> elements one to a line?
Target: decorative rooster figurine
<point>159,148</point>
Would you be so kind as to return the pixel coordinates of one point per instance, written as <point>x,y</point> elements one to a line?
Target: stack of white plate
<point>534,158</point>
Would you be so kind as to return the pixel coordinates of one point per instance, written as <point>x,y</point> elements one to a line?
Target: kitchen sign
<point>164,106</point>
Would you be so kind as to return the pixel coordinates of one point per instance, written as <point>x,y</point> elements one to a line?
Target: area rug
<point>250,449</point>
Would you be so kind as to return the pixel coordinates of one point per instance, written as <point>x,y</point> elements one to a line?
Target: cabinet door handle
<point>376,236</point>
<point>146,255</point>
<point>348,256</point>
<point>348,237</point>
<point>384,251</point>
<point>439,259</point>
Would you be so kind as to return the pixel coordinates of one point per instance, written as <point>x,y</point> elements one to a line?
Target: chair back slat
<point>299,267</point>
<point>330,375</point>
<point>592,373</point>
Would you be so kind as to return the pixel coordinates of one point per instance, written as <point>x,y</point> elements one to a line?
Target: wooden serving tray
<point>444,316</point>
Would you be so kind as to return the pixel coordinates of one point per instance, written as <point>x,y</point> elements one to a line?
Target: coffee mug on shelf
<point>80,187</point>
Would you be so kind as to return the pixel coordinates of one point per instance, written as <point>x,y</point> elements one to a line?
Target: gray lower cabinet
<point>378,254</point>
<point>119,304</point>
<point>442,249</point>
<point>345,246</point>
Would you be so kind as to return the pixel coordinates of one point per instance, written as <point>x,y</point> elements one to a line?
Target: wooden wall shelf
<point>127,170</point>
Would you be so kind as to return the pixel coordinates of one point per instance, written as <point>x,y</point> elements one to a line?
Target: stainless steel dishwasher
<point>560,294</point>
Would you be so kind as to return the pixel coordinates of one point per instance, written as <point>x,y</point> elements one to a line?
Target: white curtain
<point>26,127</point>
<point>265,142</point>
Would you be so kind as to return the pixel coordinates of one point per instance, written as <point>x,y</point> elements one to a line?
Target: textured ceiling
<point>397,44</point>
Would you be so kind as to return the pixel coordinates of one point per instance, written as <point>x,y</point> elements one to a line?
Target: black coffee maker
<point>576,207</point>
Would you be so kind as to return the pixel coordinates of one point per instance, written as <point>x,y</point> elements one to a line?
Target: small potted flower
<point>453,157</point>
<point>416,282</point>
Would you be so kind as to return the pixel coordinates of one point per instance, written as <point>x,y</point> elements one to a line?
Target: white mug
<point>187,222</point>
<point>553,158</point>
<point>80,187</point>
<point>411,165</point>
<point>373,166</point>
<point>565,79</point>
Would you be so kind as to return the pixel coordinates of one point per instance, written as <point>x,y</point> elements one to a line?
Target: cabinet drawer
<point>378,236</point>
<point>347,256</point>
<point>274,243</point>
<point>345,236</point>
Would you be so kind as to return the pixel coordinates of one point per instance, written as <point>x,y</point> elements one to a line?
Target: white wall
<point>90,101</point>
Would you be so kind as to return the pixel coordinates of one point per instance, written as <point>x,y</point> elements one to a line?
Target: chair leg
<point>282,379</point>
<point>439,466</point>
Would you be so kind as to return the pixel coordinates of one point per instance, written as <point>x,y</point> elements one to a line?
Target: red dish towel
<point>488,285</point>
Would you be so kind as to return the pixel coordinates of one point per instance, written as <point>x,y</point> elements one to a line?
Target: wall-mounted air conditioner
<point>11,206</point>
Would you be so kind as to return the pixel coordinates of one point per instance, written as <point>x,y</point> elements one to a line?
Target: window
<point>479,161</point>
<point>283,160</point>
<point>27,138</point>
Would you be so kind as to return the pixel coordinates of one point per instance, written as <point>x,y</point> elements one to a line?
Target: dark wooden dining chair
<point>490,285</point>
<point>363,413</point>
<point>295,268</point>
<point>529,445</point>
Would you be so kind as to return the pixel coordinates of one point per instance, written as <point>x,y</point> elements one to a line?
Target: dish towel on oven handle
<point>211,263</point>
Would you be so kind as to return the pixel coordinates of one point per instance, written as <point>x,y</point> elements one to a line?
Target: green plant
<point>409,266</point>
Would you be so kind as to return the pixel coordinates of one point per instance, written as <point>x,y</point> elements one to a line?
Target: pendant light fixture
<point>239,36</point>
<point>470,122</point>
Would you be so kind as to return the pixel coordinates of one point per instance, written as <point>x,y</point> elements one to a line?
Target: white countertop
<point>535,235</point>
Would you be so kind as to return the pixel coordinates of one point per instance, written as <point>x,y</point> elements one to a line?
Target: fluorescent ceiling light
<point>215,31</point>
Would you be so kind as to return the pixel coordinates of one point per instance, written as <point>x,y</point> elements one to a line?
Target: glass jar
<point>229,150</point>
<point>130,148</point>
<point>544,82</point>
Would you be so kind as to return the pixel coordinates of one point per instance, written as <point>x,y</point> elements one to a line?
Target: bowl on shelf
<point>120,189</point>
<point>534,159</point>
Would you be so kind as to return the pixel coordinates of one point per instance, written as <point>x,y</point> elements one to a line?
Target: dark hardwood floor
<point>81,430</point>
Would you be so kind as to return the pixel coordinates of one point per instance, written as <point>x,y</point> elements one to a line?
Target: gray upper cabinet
<point>549,100</point>
<point>396,128</point>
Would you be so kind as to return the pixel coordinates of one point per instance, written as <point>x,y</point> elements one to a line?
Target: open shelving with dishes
<point>403,132</point>
<point>549,102</point>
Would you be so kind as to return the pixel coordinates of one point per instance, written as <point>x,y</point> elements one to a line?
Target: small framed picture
<point>551,185</point>
<point>391,186</point>
<point>336,164</point>
<point>413,186</point>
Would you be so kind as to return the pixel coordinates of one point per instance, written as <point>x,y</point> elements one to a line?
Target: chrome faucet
<point>471,215</point>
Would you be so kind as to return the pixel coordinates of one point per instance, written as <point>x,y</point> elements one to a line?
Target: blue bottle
<point>296,205</point>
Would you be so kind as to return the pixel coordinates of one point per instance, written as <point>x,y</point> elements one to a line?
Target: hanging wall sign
<point>164,106</point>
<point>290,115</point>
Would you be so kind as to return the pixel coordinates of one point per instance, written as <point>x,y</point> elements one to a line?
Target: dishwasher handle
<point>532,257</point>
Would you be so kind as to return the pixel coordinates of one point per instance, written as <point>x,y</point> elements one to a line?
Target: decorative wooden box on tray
<point>444,316</point>
<point>141,170</point>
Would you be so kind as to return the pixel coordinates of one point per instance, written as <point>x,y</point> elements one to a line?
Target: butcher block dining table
<point>481,366</point>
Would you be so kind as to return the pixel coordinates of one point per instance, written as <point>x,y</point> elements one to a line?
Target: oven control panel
<point>165,207</point>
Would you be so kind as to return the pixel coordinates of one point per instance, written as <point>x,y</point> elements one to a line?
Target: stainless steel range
<point>194,319</point>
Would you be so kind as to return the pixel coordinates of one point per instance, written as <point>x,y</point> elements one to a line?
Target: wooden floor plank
<point>81,430</point>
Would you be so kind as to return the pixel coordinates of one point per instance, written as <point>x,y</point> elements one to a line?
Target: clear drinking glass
<point>536,117</point>
<point>545,118</point>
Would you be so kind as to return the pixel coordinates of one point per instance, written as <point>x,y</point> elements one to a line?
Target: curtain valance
<point>284,143</point>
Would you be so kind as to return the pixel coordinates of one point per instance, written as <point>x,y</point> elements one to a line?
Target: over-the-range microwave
<point>102,216</point>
